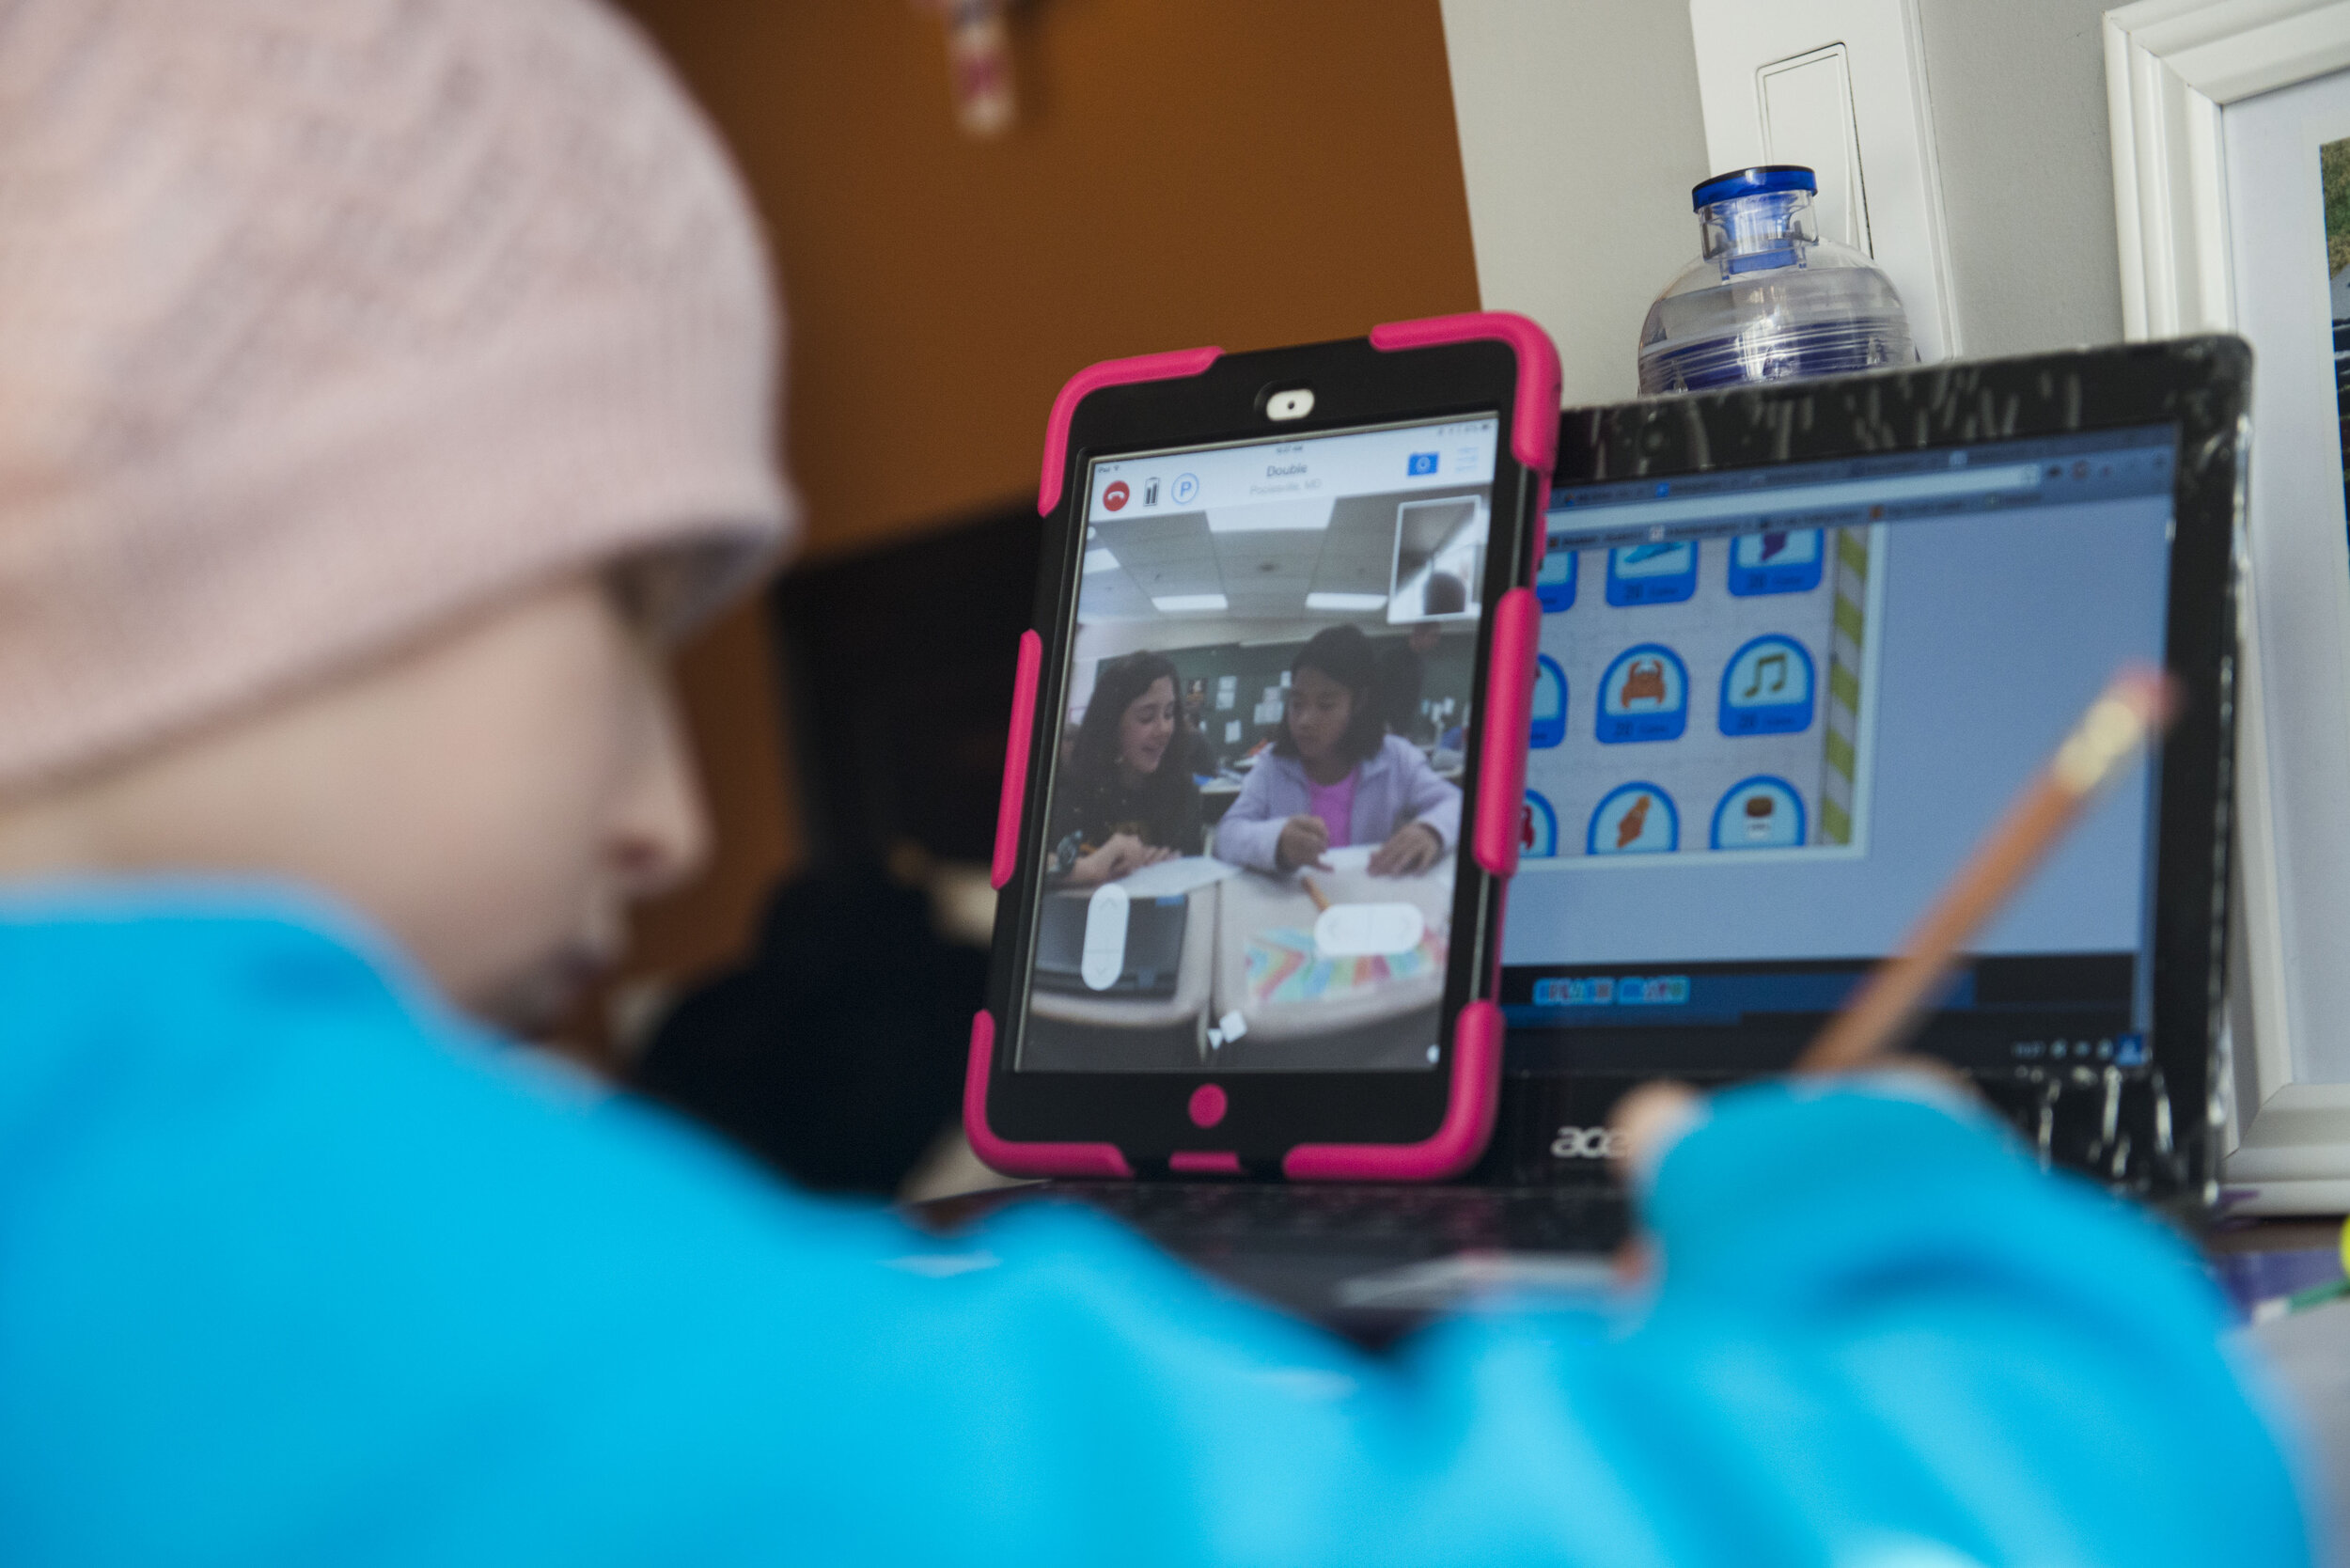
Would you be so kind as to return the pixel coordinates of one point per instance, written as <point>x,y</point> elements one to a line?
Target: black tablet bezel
<point>2199,388</point>
<point>1144,1114</point>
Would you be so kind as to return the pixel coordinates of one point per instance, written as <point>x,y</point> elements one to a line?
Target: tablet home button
<point>1207,1105</point>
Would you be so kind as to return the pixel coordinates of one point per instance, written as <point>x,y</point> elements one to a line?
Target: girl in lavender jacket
<point>1337,778</point>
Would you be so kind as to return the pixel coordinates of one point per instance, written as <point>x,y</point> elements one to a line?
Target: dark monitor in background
<point>897,671</point>
<point>835,1051</point>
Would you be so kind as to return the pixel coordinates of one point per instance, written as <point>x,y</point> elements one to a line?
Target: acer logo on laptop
<point>1586,1143</point>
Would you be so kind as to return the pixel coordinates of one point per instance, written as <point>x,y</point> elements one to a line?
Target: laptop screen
<point>1778,706</point>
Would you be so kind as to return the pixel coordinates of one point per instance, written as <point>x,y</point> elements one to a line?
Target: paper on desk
<point>1350,858</point>
<point>1173,878</point>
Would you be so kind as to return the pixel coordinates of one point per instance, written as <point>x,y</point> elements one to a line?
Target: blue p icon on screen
<point>1422,462</point>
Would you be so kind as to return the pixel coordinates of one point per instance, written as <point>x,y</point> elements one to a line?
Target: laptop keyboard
<point>1369,1261</point>
<point>1418,1220</point>
<point>1356,1259</point>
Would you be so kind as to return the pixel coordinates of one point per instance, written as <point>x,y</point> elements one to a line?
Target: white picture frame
<point>2209,102</point>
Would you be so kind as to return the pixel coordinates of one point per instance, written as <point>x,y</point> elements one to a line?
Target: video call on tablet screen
<point>1254,809</point>
<point>1774,709</point>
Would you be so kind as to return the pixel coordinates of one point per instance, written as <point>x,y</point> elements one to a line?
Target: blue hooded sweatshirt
<point>296,1268</point>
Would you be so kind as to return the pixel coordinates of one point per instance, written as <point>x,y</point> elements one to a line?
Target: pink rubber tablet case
<point>1477,1035</point>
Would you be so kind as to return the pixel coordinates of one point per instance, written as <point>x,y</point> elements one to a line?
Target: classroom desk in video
<point>1304,1010</point>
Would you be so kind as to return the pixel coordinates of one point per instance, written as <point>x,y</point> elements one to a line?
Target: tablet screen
<point>1777,708</point>
<point>1253,808</point>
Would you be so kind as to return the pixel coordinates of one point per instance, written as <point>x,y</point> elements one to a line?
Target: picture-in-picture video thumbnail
<point>1256,801</point>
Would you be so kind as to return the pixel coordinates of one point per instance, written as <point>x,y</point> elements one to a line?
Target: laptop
<point>1154,951</point>
<point>1801,644</point>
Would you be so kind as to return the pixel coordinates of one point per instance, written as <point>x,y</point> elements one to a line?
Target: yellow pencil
<point>1322,900</point>
<point>1891,1003</point>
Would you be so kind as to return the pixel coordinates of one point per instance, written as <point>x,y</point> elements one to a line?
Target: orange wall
<point>1238,172</point>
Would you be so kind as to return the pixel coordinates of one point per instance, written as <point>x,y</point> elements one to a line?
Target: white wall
<point>2018,90</point>
<point>1581,135</point>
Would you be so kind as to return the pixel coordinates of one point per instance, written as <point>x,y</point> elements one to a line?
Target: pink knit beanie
<point>323,321</point>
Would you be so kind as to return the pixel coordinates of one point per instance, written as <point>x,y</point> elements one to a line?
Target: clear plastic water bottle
<point>1769,300</point>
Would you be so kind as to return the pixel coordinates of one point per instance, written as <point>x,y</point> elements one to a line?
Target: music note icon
<point>1776,664</point>
<point>1766,688</point>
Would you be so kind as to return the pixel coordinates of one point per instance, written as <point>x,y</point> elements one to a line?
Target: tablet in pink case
<point>1478,1032</point>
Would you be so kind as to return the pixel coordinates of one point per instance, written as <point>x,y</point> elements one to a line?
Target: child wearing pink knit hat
<point>384,384</point>
<point>375,377</point>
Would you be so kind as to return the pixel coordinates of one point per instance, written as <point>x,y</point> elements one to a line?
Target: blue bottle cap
<point>1760,180</point>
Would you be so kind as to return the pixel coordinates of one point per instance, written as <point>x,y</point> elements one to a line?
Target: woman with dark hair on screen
<point>1336,776</point>
<point>1127,799</point>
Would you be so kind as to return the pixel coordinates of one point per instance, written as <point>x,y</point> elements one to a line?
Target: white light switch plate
<point>1806,118</point>
<point>1838,85</point>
